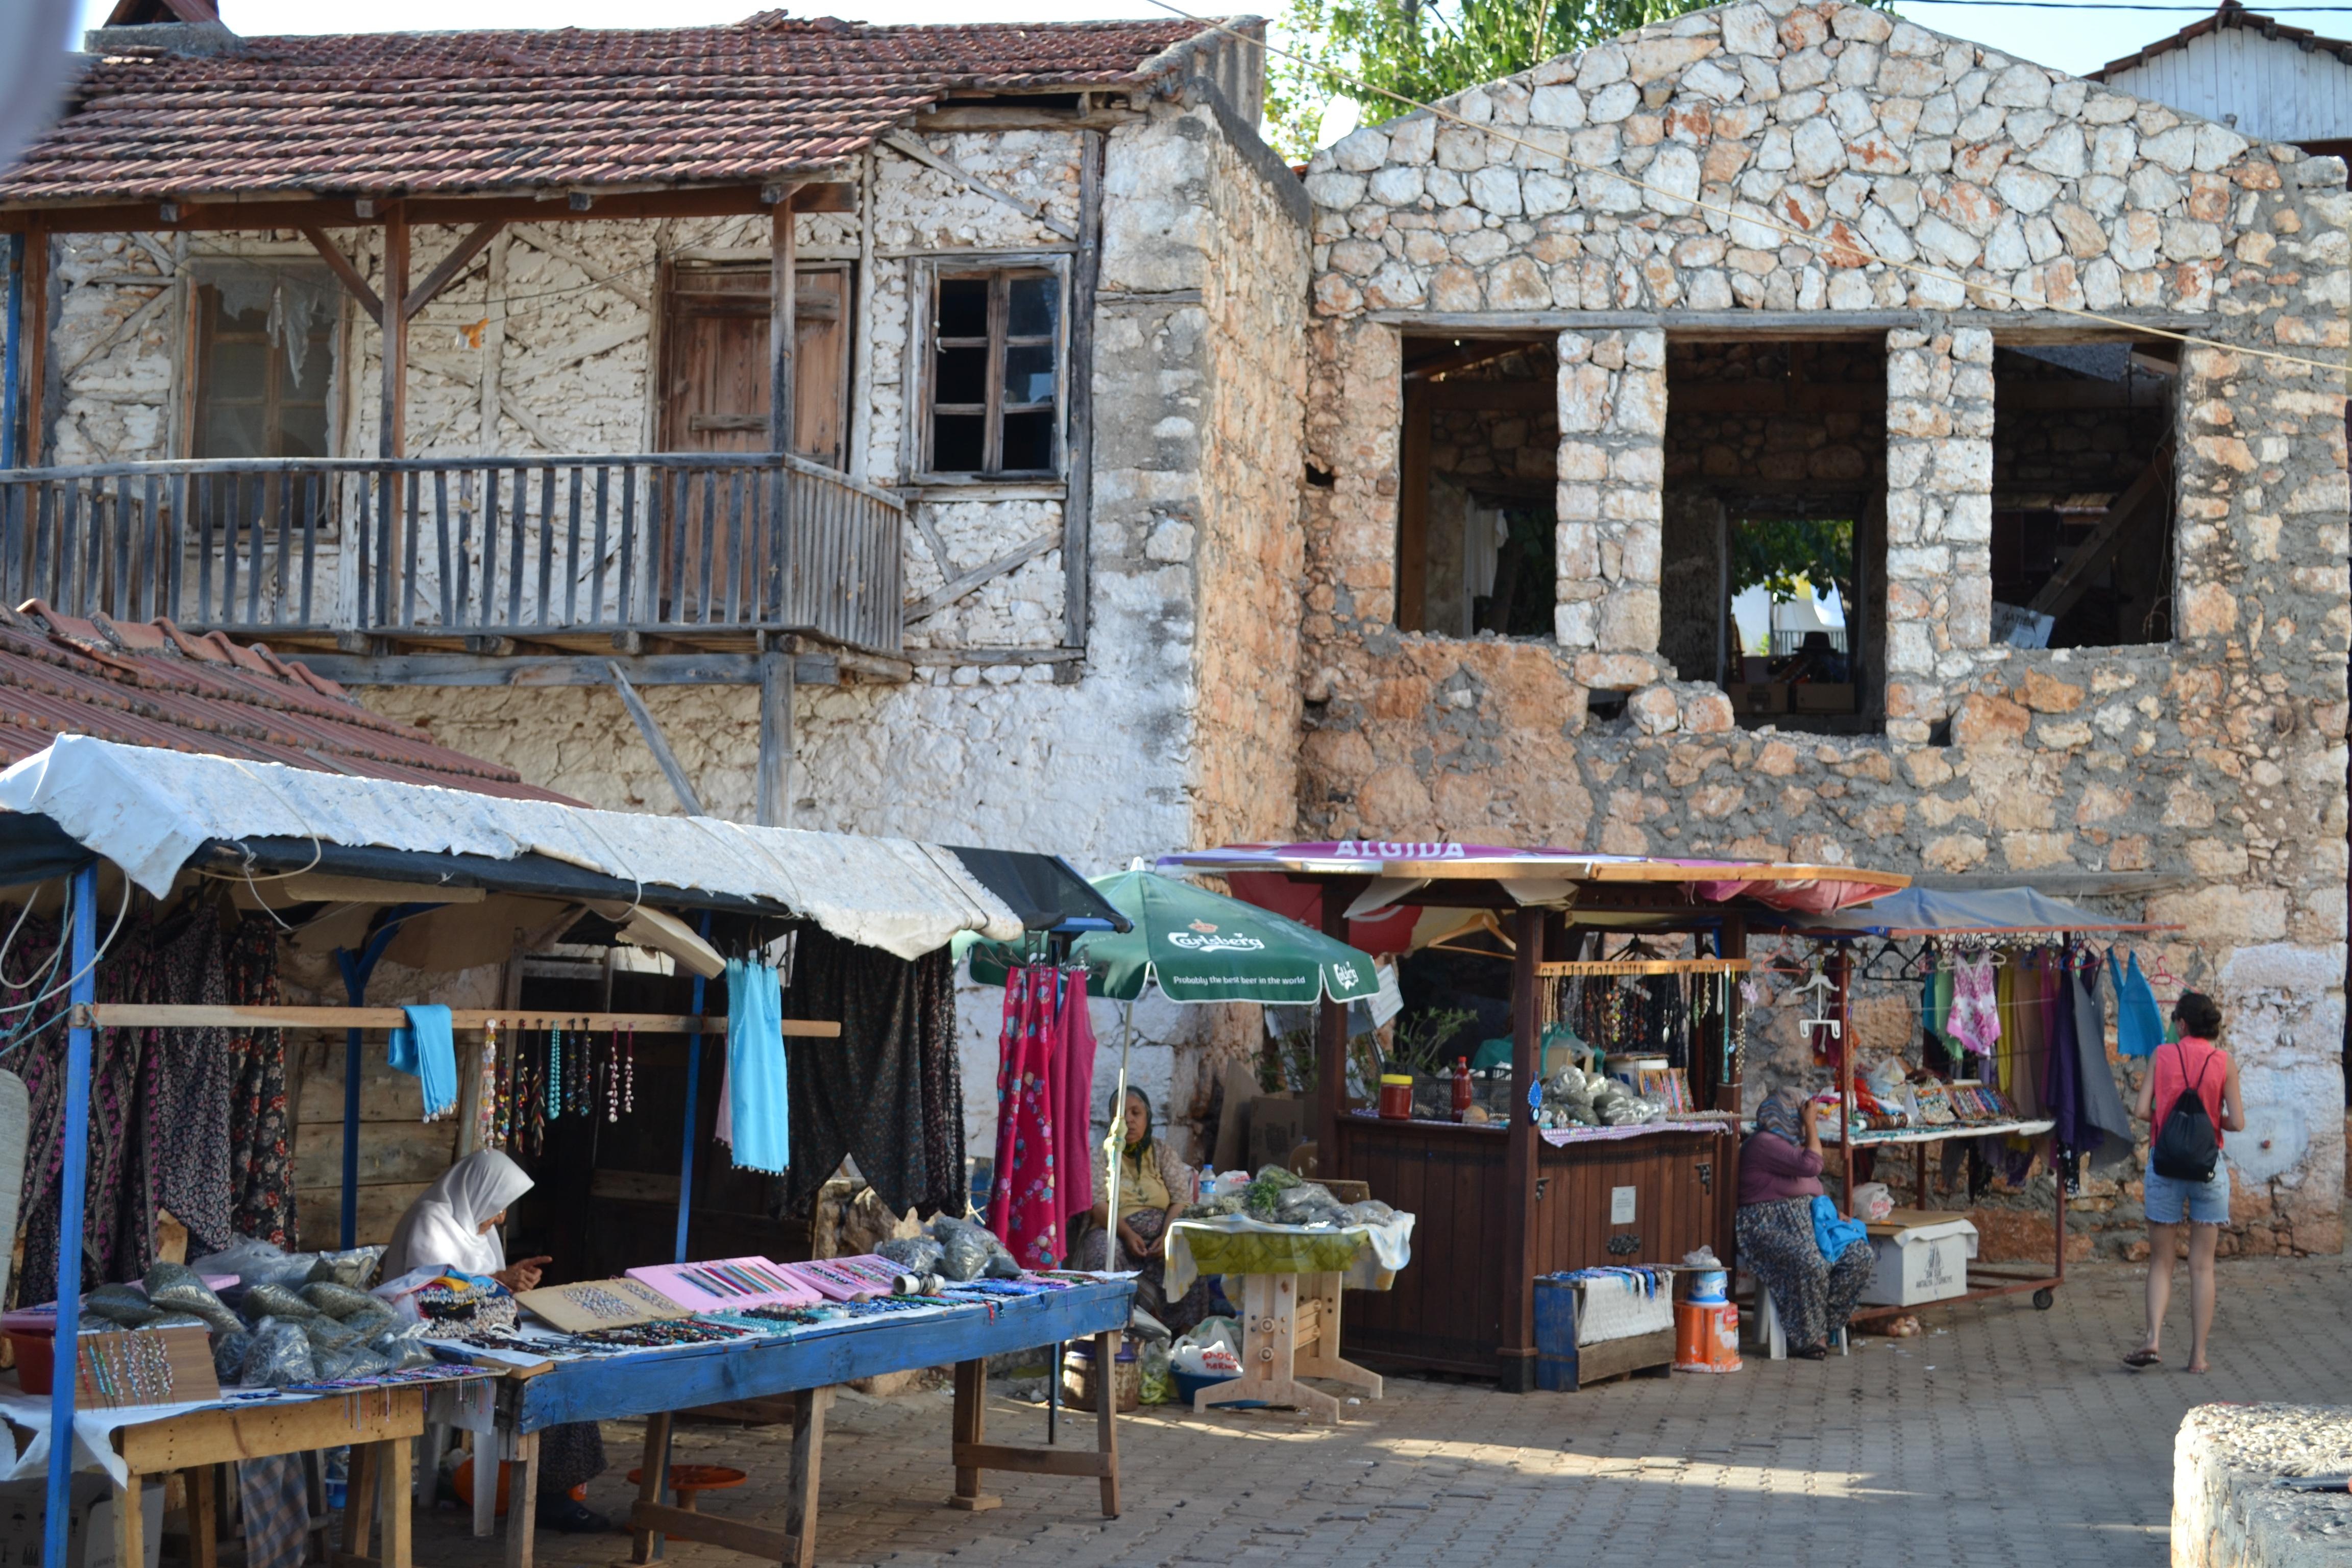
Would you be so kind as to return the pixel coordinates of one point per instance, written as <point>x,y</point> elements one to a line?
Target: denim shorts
<point>2169,1200</point>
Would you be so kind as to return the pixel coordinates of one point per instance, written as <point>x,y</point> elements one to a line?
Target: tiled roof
<point>2229,16</point>
<point>154,685</point>
<point>389,113</point>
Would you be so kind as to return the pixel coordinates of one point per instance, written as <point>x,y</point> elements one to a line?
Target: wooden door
<point>715,378</point>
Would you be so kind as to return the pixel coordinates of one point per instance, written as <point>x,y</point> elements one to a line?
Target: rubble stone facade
<point>1770,169</point>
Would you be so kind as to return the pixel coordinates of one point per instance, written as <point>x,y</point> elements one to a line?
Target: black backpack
<point>2187,1147</point>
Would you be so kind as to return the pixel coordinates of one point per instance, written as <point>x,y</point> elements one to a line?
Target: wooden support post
<point>391,440</point>
<point>340,266</point>
<point>653,1472</point>
<point>36,343</point>
<point>1516,1357</point>
<point>1078,507</point>
<point>1331,1042</point>
<point>1107,1416</point>
<point>129,1523</point>
<point>801,1486</point>
<point>658,744</point>
<point>1842,970</point>
<point>396,1499</point>
<point>1728,1087</point>
<point>971,1428</point>
<point>522,1490</point>
<point>774,805</point>
<point>782,323</point>
<point>203,1517</point>
<point>358,1499</point>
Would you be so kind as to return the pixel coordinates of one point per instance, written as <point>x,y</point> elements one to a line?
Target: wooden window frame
<point>203,293</point>
<point>924,344</point>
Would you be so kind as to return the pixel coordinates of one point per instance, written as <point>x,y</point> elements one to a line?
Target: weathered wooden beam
<point>2151,490</point>
<point>1702,326</point>
<point>328,212</point>
<point>392,439</point>
<point>950,657</point>
<point>36,324</point>
<point>915,147</point>
<point>468,248</point>
<point>956,587</point>
<point>340,266</point>
<point>773,806</point>
<point>657,742</point>
<point>784,304</point>
<point>809,668</point>
<point>1077,507</point>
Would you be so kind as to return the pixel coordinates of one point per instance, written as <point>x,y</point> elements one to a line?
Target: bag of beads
<point>354,1270</point>
<point>178,1285</point>
<point>335,1299</point>
<point>914,1254</point>
<point>229,1351</point>
<point>120,1306</point>
<point>275,1301</point>
<point>279,1354</point>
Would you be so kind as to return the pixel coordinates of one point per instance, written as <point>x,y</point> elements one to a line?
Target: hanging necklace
<point>629,1074</point>
<point>554,1096</point>
<point>612,1076</point>
<point>486,1103</point>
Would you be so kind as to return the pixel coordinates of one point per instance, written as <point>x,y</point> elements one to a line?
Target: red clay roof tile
<point>389,113</point>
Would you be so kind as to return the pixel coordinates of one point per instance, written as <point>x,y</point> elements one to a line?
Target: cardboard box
<point>1277,1124</point>
<point>1920,1263</point>
<point>1747,697</point>
<point>1823,697</point>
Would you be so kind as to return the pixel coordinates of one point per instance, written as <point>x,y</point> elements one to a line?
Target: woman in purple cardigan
<point>1780,1178</point>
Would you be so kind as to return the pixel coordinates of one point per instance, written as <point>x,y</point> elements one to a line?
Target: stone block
<point>1986,721</point>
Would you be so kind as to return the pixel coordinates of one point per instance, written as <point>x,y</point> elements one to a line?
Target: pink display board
<point>847,1278</point>
<point>728,1282</point>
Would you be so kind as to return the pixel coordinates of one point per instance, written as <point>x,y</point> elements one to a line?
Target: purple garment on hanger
<point>2061,1081</point>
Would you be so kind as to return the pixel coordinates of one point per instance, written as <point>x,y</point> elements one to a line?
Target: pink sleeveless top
<point>2196,1061</point>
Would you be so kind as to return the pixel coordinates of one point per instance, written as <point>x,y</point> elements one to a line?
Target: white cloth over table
<point>149,810</point>
<point>94,1432</point>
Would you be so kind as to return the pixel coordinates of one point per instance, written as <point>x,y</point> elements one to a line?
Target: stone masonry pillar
<point>1613,463</point>
<point>1938,518</point>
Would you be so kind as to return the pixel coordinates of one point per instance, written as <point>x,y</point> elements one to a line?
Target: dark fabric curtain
<point>888,1091</point>
<point>178,1117</point>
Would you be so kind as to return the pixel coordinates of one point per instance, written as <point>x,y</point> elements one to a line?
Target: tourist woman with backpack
<point>2190,1098</point>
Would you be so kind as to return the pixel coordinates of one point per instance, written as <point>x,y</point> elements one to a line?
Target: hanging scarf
<point>1024,1210</point>
<point>1074,1103</point>
<point>758,1102</point>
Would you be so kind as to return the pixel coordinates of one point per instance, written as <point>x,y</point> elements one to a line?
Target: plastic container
<point>1396,1096</point>
<point>1709,1287</point>
<point>36,1359</point>
<point>1078,1379</point>
<point>1189,1384</point>
<point>1463,1091</point>
<point>1707,1337</point>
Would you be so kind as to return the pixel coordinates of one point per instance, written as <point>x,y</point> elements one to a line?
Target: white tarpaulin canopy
<point>149,811</point>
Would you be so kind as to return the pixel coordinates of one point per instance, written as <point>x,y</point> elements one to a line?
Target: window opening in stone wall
<point>263,361</point>
<point>1477,510</point>
<point>1773,536</point>
<point>715,360</point>
<point>2083,494</point>
<point>995,380</point>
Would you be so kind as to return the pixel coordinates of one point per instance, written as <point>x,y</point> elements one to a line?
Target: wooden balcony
<point>568,554</point>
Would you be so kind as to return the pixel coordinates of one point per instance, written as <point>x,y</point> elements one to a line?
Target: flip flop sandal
<point>2138,1360</point>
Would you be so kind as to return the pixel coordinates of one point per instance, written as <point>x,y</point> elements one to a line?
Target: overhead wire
<point>1759,219</point>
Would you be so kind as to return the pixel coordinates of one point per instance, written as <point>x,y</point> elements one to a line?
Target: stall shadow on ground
<point>2013,1436</point>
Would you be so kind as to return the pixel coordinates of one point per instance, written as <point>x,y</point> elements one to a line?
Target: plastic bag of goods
<point>1872,1200</point>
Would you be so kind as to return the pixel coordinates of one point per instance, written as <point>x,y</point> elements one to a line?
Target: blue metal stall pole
<point>693,1087</point>
<point>75,1179</point>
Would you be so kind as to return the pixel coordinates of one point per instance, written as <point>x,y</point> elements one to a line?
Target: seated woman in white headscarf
<point>454,1224</point>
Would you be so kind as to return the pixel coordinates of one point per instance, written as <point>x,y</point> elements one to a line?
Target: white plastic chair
<point>1768,1327</point>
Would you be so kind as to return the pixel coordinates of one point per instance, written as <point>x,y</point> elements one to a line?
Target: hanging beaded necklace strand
<point>554,1087</point>
<point>486,1103</point>
<point>629,1075</point>
<point>612,1076</point>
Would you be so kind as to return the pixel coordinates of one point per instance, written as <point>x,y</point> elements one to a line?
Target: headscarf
<point>1134,1152</point>
<point>1778,1115</point>
<point>443,1228</point>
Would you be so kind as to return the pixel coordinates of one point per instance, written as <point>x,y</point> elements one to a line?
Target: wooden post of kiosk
<point>1331,1043</point>
<point>1515,1370</point>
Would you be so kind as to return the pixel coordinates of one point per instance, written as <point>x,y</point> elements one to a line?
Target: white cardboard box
<point>1923,1263</point>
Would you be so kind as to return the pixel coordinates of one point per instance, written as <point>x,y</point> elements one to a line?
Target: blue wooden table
<point>809,1365</point>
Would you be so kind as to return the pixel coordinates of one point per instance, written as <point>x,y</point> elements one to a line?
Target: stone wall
<point>1788,158</point>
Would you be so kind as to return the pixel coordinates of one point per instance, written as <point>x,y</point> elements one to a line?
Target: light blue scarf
<point>758,1104</point>
<point>424,1051</point>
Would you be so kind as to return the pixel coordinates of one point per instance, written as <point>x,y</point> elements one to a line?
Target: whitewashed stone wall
<point>1783,157</point>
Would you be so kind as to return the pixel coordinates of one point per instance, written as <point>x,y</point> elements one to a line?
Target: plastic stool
<point>1768,1323</point>
<point>686,1481</point>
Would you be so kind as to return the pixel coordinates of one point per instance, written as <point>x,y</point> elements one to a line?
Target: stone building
<point>1597,334</point>
<point>1043,370</point>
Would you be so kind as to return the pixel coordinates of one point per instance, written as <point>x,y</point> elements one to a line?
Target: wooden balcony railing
<point>704,549</point>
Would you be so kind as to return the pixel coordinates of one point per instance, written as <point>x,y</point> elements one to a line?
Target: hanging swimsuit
<point>1975,1019</point>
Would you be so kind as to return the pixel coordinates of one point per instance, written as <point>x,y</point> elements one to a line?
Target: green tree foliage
<point>1779,553</point>
<point>1423,50</point>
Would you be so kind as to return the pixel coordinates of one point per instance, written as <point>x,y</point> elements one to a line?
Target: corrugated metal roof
<point>153,684</point>
<point>380,114</point>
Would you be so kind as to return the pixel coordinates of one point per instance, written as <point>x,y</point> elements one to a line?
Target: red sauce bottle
<point>1461,1087</point>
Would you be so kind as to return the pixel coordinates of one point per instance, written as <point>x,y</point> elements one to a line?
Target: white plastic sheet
<point>150,810</point>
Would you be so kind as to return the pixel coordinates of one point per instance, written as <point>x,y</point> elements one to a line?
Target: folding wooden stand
<point>973,1454</point>
<point>1290,1329</point>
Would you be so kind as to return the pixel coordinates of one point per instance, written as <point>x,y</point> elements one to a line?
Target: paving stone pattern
<point>2001,1435</point>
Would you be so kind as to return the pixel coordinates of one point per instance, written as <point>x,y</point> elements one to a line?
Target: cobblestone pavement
<point>2001,1435</point>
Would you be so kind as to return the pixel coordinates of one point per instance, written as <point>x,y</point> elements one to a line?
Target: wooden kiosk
<point>1498,1204</point>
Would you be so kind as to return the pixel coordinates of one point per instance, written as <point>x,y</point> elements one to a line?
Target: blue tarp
<point>1921,911</point>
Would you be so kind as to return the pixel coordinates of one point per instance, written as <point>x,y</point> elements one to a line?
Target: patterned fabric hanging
<point>1024,1211</point>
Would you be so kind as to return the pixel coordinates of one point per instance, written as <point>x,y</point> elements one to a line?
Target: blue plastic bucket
<point>1709,1287</point>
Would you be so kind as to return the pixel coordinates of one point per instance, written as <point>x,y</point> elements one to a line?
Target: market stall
<point>157,821</point>
<point>1502,1200</point>
<point>2029,1073</point>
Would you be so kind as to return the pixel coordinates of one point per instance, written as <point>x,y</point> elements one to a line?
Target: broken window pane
<point>996,373</point>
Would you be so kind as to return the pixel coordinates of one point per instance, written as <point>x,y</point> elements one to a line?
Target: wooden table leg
<point>1107,1416</point>
<point>646,1545</point>
<point>970,1426</point>
<point>1270,1352</point>
<point>131,1522</point>
<point>486,1485</point>
<point>203,1517</point>
<point>801,1489</point>
<point>359,1500</point>
<point>522,1497</point>
<point>397,1499</point>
